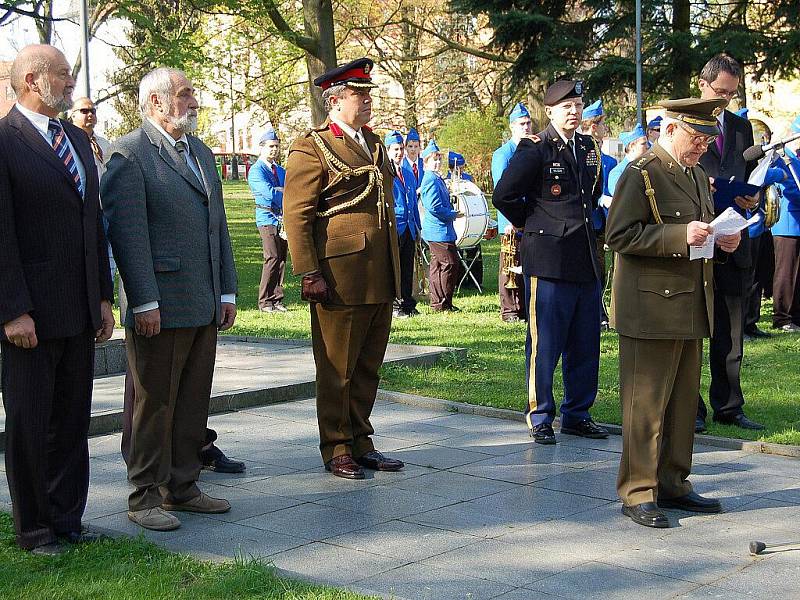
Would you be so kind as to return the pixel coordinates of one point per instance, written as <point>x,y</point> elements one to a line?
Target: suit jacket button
<point>541,231</point>
<point>205,202</point>
<point>666,292</point>
<point>677,213</point>
<point>705,284</point>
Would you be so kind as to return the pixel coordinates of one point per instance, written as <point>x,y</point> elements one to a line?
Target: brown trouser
<point>270,290</point>
<point>349,344</point>
<point>786,281</point>
<point>445,269</point>
<point>512,300</point>
<point>659,384</point>
<point>172,374</point>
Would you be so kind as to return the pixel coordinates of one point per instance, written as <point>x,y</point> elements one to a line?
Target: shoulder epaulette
<point>641,162</point>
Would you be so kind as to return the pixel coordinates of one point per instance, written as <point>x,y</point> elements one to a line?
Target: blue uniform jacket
<point>269,201</point>
<point>615,174</point>
<point>437,224</point>
<point>789,221</point>
<point>500,160</point>
<point>406,208</point>
<point>599,214</point>
<point>551,194</point>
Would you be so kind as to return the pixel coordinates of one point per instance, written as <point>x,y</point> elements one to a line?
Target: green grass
<point>493,372</point>
<point>135,569</point>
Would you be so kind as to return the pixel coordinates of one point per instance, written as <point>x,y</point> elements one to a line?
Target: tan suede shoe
<point>155,519</point>
<point>200,504</point>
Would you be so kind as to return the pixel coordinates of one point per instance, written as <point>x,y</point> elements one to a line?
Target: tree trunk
<point>318,23</point>
<point>680,61</point>
<point>44,26</point>
<point>409,69</point>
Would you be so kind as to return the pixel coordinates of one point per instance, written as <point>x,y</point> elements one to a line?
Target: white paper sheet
<point>727,223</point>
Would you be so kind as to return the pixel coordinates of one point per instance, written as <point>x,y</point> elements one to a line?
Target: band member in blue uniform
<point>635,144</point>
<point>406,212</point>
<point>512,301</point>
<point>412,158</point>
<point>549,190</point>
<point>266,179</point>
<point>455,167</point>
<point>654,129</point>
<point>438,231</point>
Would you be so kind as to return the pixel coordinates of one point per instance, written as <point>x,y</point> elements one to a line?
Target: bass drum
<point>470,201</point>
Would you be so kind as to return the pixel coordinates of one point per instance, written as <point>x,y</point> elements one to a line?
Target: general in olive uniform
<point>549,190</point>
<point>340,221</point>
<point>662,307</point>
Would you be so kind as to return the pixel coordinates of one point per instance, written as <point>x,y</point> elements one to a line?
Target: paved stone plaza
<point>479,512</point>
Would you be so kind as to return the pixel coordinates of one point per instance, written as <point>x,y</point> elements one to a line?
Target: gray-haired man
<point>167,227</point>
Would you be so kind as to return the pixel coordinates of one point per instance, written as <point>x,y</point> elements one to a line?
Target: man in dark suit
<point>55,301</point>
<point>734,273</point>
<point>549,190</point>
<point>169,233</point>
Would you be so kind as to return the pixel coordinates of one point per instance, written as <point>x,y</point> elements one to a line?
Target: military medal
<point>555,189</point>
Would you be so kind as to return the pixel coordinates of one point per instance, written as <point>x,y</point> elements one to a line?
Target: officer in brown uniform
<point>339,218</point>
<point>662,307</point>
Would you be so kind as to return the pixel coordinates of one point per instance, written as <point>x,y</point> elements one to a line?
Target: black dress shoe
<point>214,459</point>
<point>543,434</point>
<point>586,428</point>
<point>692,502</point>
<point>83,537</point>
<point>51,549</point>
<point>344,466</point>
<point>647,514</point>
<point>699,425</point>
<point>378,462</point>
<point>755,332</point>
<point>740,421</point>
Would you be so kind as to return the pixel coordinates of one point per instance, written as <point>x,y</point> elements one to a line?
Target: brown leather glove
<point>315,288</point>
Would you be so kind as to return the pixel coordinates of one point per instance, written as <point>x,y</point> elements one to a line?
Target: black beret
<point>354,74</point>
<point>562,90</point>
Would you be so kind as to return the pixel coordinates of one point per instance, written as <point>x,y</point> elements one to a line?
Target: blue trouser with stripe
<point>563,323</point>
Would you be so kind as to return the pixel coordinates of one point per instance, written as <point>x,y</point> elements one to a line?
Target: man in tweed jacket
<point>168,230</point>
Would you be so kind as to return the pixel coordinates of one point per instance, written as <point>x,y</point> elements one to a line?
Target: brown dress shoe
<point>344,466</point>
<point>378,462</point>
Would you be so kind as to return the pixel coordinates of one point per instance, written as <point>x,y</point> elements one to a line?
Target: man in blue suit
<point>438,232</point>
<point>406,213</point>
<point>512,305</point>
<point>266,179</point>
<point>412,159</point>
<point>786,236</point>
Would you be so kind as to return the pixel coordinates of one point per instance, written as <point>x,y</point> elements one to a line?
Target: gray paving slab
<point>478,512</point>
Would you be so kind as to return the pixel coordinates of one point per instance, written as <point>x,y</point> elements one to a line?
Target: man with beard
<point>55,301</point>
<point>169,233</point>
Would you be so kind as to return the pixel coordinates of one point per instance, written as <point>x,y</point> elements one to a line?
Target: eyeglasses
<point>698,139</point>
<point>725,93</point>
<point>87,111</point>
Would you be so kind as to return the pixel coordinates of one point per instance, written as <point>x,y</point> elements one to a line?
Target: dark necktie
<point>63,151</point>
<point>98,151</point>
<point>720,140</point>
<point>414,168</point>
<point>400,174</point>
<point>275,173</point>
<point>571,146</point>
<point>186,155</point>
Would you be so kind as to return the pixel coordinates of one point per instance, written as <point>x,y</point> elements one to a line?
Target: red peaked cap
<point>353,74</point>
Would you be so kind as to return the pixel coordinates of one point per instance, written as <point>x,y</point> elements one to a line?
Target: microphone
<point>757,151</point>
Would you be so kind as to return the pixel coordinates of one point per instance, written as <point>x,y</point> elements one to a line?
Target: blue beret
<point>430,149</point>
<point>519,111</point>
<point>412,136</point>
<point>796,125</point>
<point>455,159</point>
<point>395,137</point>
<point>354,74</point>
<point>595,109</point>
<point>742,112</point>
<point>655,123</point>
<point>268,136</point>
<point>627,137</point>
<point>563,90</point>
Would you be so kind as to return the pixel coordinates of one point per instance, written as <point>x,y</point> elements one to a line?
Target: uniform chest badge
<point>592,159</point>
<point>555,189</point>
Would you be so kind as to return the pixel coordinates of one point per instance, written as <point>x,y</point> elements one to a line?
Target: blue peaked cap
<point>394,137</point>
<point>742,112</point>
<point>655,123</point>
<point>454,159</point>
<point>595,109</point>
<point>412,135</point>
<point>626,137</point>
<point>430,149</point>
<point>268,136</point>
<point>519,111</point>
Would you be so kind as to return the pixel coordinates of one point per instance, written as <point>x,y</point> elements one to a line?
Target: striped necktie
<point>64,152</point>
<point>186,154</point>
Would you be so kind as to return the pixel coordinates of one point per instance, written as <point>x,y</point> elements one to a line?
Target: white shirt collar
<point>563,137</point>
<point>38,120</point>
<point>672,156</point>
<point>721,119</point>
<point>170,139</point>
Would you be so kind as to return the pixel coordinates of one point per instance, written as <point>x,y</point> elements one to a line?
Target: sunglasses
<point>87,111</point>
